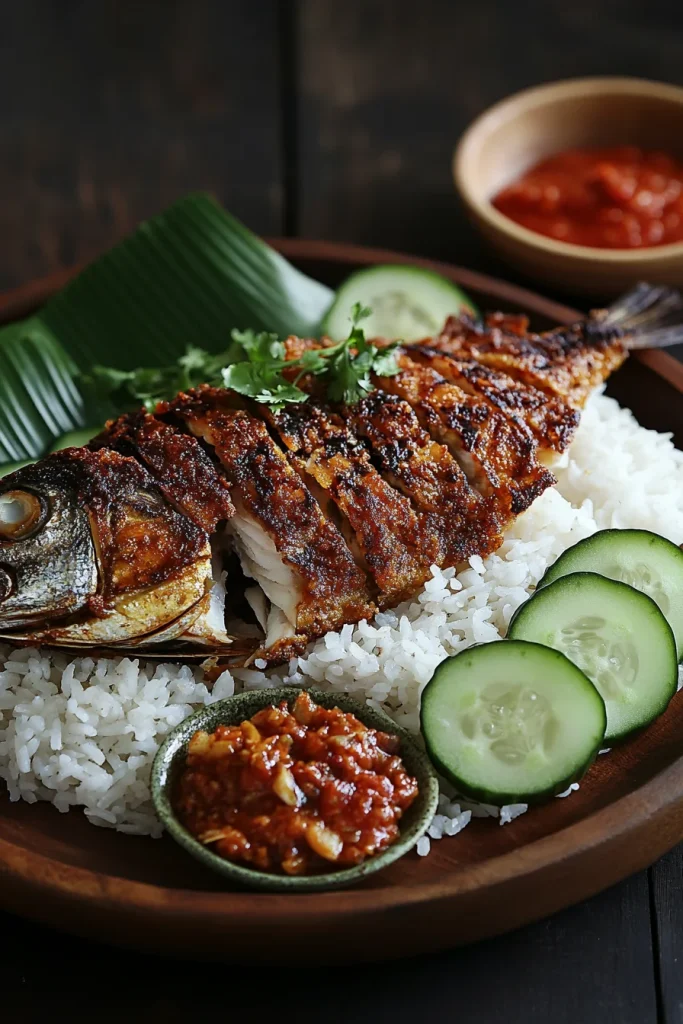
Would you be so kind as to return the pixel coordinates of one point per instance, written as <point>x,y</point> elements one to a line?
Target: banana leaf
<point>186,277</point>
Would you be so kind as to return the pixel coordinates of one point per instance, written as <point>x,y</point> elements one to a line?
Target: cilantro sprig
<point>259,375</point>
<point>254,366</point>
<point>150,385</point>
<point>344,368</point>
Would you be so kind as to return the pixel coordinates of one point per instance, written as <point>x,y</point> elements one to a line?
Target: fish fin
<point>648,316</point>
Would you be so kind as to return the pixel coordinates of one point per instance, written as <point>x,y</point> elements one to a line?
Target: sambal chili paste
<point>294,791</point>
<point>616,198</point>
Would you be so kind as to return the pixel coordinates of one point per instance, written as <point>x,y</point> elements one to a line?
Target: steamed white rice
<point>83,733</point>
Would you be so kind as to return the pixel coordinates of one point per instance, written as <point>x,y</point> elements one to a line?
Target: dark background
<point>326,119</point>
<point>331,119</point>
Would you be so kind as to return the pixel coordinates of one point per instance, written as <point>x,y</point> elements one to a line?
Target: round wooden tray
<point>58,869</point>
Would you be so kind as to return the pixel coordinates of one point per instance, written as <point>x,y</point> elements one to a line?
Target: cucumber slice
<point>616,635</point>
<point>75,439</point>
<point>406,303</point>
<point>511,722</point>
<point>642,559</point>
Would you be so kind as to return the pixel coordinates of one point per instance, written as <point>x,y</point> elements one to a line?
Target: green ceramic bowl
<point>171,757</point>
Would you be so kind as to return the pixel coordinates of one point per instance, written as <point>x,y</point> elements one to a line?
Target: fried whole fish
<point>215,526</point>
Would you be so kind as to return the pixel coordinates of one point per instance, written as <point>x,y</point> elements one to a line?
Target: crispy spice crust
<point>424,470</point>
<point>567,362</point>
<point>552,421</point>
<point>502,451</point>
<point>333,589</point>
<point>429,468</point>
<point>398,545</point>
<point>181,468</point>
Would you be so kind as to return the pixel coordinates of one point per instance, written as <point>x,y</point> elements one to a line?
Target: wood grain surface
<point>377,121</point>
<point>594,962</point>
<point>337,121</point>
<point>112,110</point>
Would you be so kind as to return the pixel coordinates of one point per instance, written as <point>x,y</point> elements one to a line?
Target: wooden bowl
<point>523,129</point>
<point>60,870</point>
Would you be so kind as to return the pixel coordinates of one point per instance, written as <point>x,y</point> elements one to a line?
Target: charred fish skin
<point>552,421</point>
<point>299,558</point>
<point>490,445</point>
<point>567,363</point>
<point>109,560</point>
<point>395,544</point>
<point>141,539</point>
<point>498,454</point>
<point>182,470</point>
<point>461,521</point>
<point>192,485</point>
<point>426,472</point>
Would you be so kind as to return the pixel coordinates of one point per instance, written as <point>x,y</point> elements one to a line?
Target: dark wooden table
<point>334,120</point>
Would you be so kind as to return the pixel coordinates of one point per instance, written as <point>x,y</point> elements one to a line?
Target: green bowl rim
<point>175,745</point>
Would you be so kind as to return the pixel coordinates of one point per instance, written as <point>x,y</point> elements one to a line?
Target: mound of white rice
<point>83,733</point>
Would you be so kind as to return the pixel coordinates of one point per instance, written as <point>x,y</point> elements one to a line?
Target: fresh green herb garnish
<point>260,375</point>
<point>253,366</point>
<point>345,367</point>
<point>150,385</point>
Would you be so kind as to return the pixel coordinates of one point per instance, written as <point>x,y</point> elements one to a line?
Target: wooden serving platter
<point>60,870</point>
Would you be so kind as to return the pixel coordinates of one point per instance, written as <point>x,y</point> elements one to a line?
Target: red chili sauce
<point>295,791</point>
<point>618,198</point>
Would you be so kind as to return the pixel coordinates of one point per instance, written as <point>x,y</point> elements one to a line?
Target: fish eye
<point>21,514</point>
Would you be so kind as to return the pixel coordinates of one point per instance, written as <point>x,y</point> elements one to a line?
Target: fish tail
<point>648,316</point>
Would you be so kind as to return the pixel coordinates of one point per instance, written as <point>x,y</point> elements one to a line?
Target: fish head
<point>48,564</point>
<point>91,550</point>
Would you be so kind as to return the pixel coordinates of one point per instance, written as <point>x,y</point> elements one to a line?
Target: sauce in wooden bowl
<point>615,198</point>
